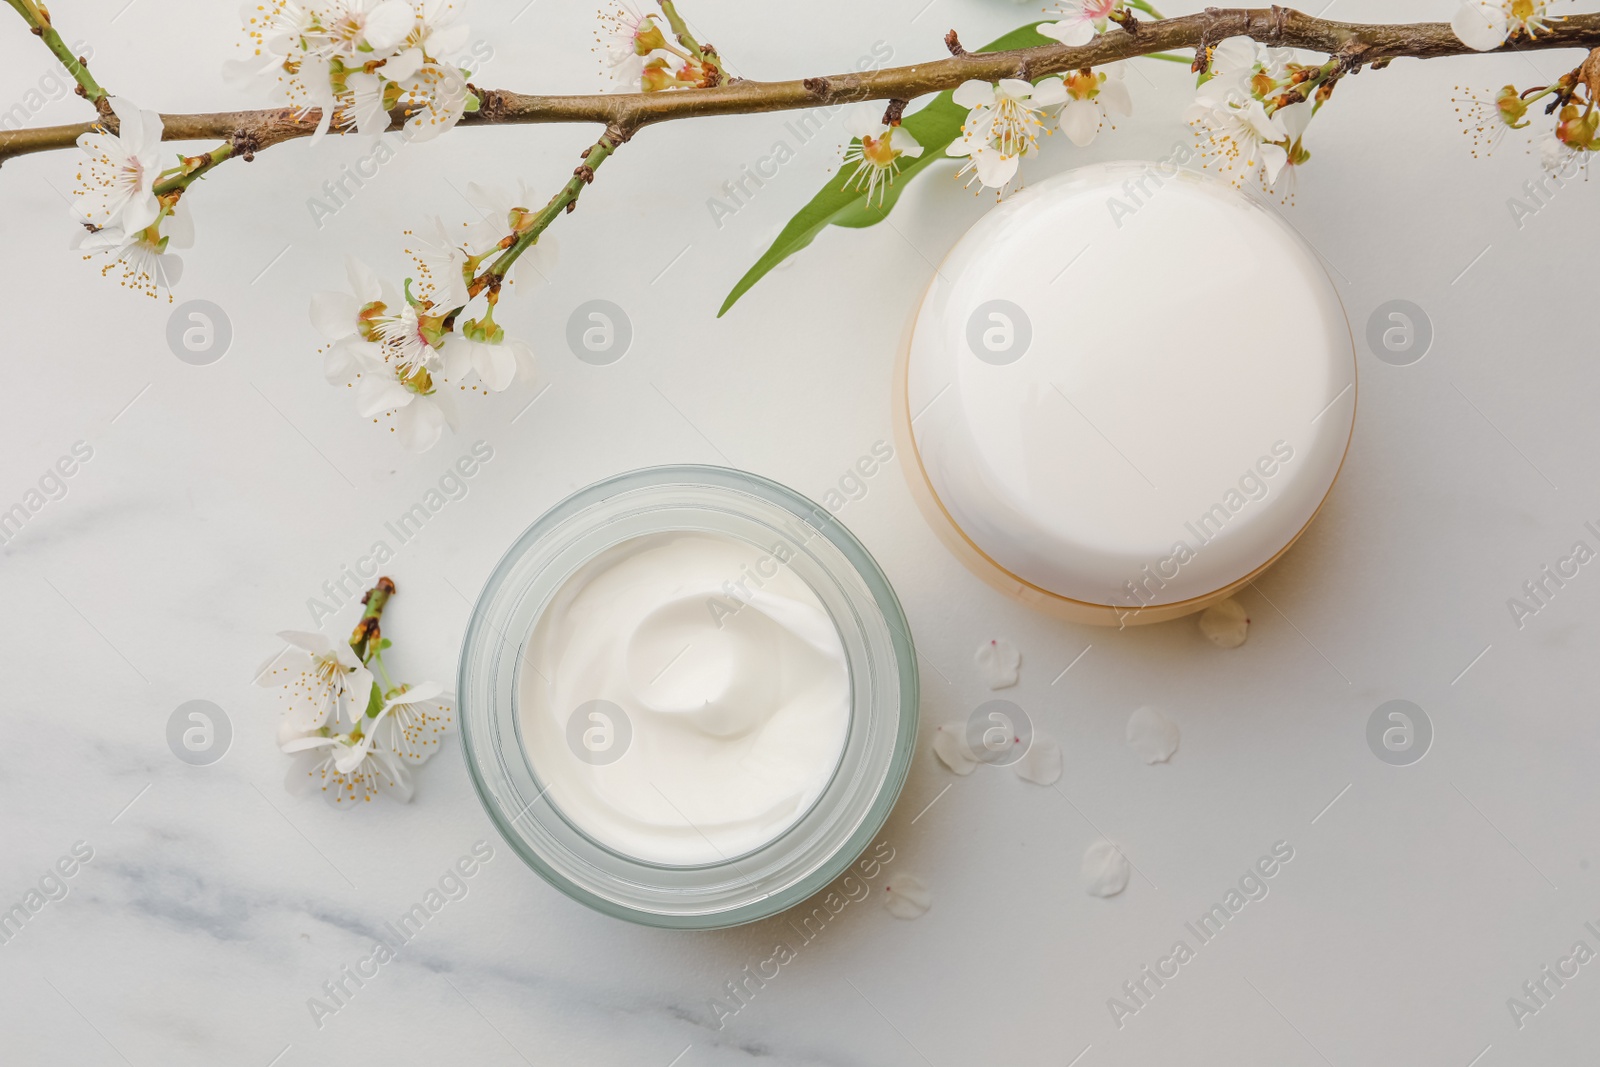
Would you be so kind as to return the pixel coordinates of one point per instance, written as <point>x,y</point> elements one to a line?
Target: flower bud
<point>1579,128</point>
<point>657,77</point>
<point>648,38</point>
<point>485,331</point>
<point>1512,109</point>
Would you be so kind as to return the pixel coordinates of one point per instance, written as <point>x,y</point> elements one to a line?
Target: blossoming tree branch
<point>371,68</point>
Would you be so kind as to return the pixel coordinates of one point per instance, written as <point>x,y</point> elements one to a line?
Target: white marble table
<point>218,500</point>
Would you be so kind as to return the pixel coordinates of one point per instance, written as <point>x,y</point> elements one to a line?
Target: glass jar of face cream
<point>688,697</point>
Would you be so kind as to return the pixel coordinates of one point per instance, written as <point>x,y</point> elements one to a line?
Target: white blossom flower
<point>145,256</point>
<point>318,677</point>
<point>432,86</point>
<point>1239,138</point>
<point>498,362</point>
<point>1081,20</point>
<point>392,352</point>
<point>504,216</point>
<point>347,319</point>
<point>877,150</point>
<point>1091,98</point>
<point>405,344</point>
<point>419,411</point>
<point>1240,68</point>
<point>117,187</point>
<point>413,723</point>
<point>629,37</point>
<point>420,424</point>
<point>1233,63</point>
<point>1244,130</point>
<point>1487,117</point>
<point>1275,62</point>
<point>312,90</point>
<point>435,36</point>
<point>1294,119</point>
<point>1485,25</point>
<point>436,97</point>
<point>281,59</point>
<point>1563,159</point>
<point>502,213</point>
<point>440,267</point>
<point>360,29</point>
<point>1577,138</point>
<point>354,57</point>
<point>275,31</point>
<point>347,768</point>
<point>363,106</point>
<point>1003,126</point>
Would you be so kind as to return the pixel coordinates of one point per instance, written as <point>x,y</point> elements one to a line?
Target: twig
<point>563,202</point>
<point>705,55</point>
<point>1358,45</point>
<point>367,634</point>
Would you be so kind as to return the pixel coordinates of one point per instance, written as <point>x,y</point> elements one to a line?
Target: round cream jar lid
<point>1129,386</point>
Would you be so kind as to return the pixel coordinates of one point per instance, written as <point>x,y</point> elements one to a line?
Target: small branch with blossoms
<point>354,731</point>
<point>370,68</point>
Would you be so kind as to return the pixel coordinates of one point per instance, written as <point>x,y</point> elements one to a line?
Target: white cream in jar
<point>684,697</point>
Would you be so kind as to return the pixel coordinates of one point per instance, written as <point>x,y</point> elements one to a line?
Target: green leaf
<point>935,127</point>
<point>374,701</point>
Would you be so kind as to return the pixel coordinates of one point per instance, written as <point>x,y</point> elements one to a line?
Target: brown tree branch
<point>1355,44</point>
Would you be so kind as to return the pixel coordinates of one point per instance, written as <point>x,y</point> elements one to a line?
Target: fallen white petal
<point>1225,625</point>
<point>1041,764</point>
<point>1105,870</point>
<point>951,748</point>
<point>998,662</point>
<point>906,897</point>
<point>1152,735</point>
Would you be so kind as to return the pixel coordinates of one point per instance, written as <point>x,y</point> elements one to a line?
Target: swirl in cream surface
<point>685,697</point>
